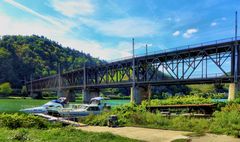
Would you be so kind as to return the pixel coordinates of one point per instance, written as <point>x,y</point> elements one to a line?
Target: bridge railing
<point>209,75</point>
<point>191,46</point>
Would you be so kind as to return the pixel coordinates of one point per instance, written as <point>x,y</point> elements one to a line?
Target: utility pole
<point>84,76</point>
<point>133,66</point>
<point>146,49</point>
<point>31,91</point>
<point>59,80</point>
<point>133,74</point>
<point>236,50</point>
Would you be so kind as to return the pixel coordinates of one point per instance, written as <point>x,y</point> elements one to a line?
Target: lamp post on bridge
<point>133,73</point>
<point>233,87</point>
<point>59,93</point>
<point>146,49</point>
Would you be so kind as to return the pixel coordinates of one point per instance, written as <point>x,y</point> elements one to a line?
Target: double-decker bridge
<point>205,63</point>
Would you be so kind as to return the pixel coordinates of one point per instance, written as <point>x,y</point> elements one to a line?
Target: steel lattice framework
<point>212,62</point>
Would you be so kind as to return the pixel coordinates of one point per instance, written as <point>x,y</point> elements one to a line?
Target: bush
<point>20,135</point>
<point>24,91</point>
<point>189,124</point>
<point>231,107</point>
<point>5,89</point>
<point>191,99</point>
<point>16,120</point>
<point>226,123</point>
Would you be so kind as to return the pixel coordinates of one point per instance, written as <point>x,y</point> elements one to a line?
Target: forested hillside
<point>21,56</point>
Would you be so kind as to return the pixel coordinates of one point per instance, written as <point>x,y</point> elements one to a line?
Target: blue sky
<point>104,28</point>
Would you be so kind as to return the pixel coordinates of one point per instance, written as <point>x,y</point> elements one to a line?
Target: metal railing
<point>191,46</point>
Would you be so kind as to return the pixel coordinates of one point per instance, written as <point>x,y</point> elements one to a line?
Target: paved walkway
<point>157,135</point>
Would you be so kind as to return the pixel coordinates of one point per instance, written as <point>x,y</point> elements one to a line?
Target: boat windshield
<point>83,107</point>
<point>49,104</point>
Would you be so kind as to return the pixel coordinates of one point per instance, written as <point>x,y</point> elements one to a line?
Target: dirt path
<point>157,135</point>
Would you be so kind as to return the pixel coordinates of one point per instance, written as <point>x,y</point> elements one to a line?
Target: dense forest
<point>21,56</point>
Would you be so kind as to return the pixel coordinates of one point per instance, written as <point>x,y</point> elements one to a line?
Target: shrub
<point>20,135</point>
<point>16,120</point>
<point>226,123</point>
<point>231,107</point>
<point>189,124</point>
<point>191,99</point>
<point>24,91</point>
<point>5,89</point>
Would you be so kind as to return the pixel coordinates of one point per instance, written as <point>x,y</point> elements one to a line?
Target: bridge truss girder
<point>176,67</point>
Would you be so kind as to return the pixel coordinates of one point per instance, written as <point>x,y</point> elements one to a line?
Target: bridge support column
<point>139,93</point>
<point>36,95</point>
<point>69,94</point>
<point>60,94</point>
<point>232,91</point>
<point>88,94</point>
<point>71,97</point>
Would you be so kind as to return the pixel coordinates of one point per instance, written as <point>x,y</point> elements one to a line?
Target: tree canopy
<point>21,56</point>
<point>5,89</point>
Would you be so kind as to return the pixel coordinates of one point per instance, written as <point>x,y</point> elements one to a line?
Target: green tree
<point>5,89</point>
<point>24,91</point>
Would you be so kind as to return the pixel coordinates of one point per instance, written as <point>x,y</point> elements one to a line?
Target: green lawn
<point>58,135</point>
<point>14,105</point>
<point>11,105</point>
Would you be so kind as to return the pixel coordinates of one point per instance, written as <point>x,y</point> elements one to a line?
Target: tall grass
<point>226,121</point>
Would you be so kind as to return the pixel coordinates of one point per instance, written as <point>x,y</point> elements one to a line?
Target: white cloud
<point>189,33</point>
<point>174,19</point>
<point>224,18</point>
<point>60,31</point>
<point>11,26</point>
<point>124,49</point>
<point>73,8</point>
<point>26,9</point>
<point>169,19</point>
<point>177,20</point>
<point>126,27</point>
<point>176,33</point>
<point>213,24</point>
<point>95,49</point>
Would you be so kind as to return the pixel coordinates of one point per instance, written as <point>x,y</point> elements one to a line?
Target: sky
<point>105,28</point>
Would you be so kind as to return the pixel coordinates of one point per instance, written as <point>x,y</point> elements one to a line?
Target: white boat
<point>83,110</point>
<point>54,104</point>
<point>96,106</point>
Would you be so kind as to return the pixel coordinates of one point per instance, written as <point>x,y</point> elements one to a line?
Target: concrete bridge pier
<point>36,95</point>
<point>69,94</point>
<point>232,91</point>
<point>140,93</point>
<point>89,93</point>
<point>71,97</point>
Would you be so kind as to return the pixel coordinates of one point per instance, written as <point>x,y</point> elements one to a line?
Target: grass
<point>57,135</point>
<point>196,134</point>
<point>181,140</point>
<point>24,127</point>
<point>14,105</point>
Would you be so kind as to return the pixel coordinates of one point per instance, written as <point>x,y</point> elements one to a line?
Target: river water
<point>117,102</point>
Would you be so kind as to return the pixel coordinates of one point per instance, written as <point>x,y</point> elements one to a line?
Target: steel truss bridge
<point>210,62</point>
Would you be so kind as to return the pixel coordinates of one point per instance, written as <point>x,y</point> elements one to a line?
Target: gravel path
<point>157,135</point>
